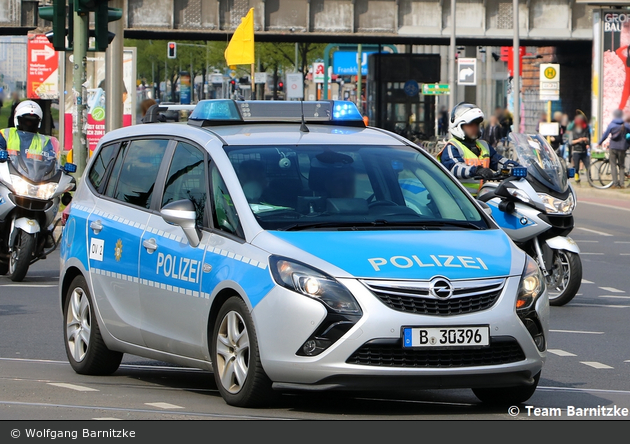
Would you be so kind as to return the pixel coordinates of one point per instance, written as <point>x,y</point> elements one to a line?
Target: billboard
<point>43,75</point>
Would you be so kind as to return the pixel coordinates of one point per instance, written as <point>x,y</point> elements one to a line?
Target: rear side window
<point>135,171</point>
<point>101,164</point>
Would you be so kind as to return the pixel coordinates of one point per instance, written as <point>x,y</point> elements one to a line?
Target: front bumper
<point>285,320</point>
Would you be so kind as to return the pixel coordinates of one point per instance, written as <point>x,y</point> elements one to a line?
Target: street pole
<point>359,76</point>
<point>79,60</point>
<point>114,75</point>
<point>451,58</point>
<point>516,79</point>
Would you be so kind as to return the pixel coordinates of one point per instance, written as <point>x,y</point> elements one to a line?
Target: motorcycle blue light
<point>571,173</point>
<point>4,155</point>
<point>346,111</point>
<point>519,172</point>
<point>70,168</point>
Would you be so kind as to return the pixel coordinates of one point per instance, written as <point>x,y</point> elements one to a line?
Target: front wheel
<point>20,257</point>
<point>507,395</point>
<point>565,277</point>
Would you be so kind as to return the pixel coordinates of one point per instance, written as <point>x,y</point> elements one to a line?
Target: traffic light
<point>280,86</point>
<point>232,85</point>
<point>102,16</point>
<point>171,51</point>
<point>57,15</point>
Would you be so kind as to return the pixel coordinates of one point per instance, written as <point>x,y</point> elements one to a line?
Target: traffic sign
<point>260,77</point>
<point>295,86</point>
<point>467,72</point>
<point>42,79</point>
<point>434,89</point>
<point>411,88</point>
<point>549,81</point>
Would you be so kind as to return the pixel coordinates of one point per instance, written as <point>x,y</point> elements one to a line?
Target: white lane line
<point>600,305</point>
<point>578,331</point>
<point>78,388</point>
<point>624,254</point>
<point>611,289</point>
<point>29,286</point>
<point>163,405</point>
<point>584,281</point>
<point>601,233</point>
<point>597,365</point>
<point>107,419</point>
<point>622,242</point>
<point>560,352</point>
<point>592,254</point>
<point>627,361</point>
<point>614,297</point>
<point>585,390</point>
<point>131,366</point>
<point>586,241</point>
<point>604,205</point>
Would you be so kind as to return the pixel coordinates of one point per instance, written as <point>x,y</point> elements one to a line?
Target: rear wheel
<point>20,257</point>
<point>565,278</point>
<point>507,395</point>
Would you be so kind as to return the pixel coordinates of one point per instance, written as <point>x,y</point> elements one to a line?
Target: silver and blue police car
<point>285,246</point>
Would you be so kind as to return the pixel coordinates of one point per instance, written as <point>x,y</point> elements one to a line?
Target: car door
<point>115,229</point>
<point>173,307</point>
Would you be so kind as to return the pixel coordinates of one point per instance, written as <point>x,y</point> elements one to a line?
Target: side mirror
<point>486,208</point>
<point>571,173</point>
<point>183,214</point>
<point>70,168</point>
<point>66,199</point>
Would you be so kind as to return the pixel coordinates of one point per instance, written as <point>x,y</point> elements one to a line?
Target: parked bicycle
<point>599,173</point>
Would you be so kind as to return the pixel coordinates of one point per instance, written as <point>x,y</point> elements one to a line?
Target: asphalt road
<point>588,364</point>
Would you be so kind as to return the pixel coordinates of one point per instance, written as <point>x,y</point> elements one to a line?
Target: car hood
<point>414,255</point>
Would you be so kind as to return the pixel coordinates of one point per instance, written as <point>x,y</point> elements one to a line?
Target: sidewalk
<point>608,197</point>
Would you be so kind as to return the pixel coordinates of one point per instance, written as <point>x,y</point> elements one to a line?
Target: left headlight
<point>531,287</point>
<point>25,189</point>
<point>558,206</point>
<point>313,283</point>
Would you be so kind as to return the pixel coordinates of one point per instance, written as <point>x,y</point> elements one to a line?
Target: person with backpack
<point>617,130</point>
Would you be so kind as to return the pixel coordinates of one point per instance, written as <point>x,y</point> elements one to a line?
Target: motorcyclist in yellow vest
<point>24,136</point>
<point>465,155</point>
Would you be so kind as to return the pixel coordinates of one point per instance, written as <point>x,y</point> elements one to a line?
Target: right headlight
<point>557,206</point>
<point>313,283</point>
<point>531,287</point>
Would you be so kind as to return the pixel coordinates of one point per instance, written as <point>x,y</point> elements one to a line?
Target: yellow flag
<point>240,50</point>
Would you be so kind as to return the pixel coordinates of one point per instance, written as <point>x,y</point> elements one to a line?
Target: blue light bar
<point>519,172</point>
<point>221,110</point>
<point>70,168</point>
<point>571,172</point>
<point>346,111</point>
<point>4,155</point>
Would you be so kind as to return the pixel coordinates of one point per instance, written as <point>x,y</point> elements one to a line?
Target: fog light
<point>309,347</point>
<point>540,342</point>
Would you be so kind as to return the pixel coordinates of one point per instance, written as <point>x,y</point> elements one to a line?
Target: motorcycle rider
<point>465,155</point>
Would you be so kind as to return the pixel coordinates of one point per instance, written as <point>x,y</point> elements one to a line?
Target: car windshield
<point>350,187</point>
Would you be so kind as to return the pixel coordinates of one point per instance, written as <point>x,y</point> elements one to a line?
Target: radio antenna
<point>303,127</point>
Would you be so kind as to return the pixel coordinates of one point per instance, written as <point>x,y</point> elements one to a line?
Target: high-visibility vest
<point>483,160</point>
<point>36,147</point>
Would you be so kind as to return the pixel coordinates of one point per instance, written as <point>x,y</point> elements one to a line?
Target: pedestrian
<point>617,130</point>
<point>443,121</point>
<point>558,141</point>
<point>505,120</point>
<point>543,119</point>
<point>580,142</point>
<point>15,101</point>
<point>492,132</point>
<point>145,105</point>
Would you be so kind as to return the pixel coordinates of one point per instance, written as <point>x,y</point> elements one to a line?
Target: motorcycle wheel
<point>565,279</point>
<point>20,258</point>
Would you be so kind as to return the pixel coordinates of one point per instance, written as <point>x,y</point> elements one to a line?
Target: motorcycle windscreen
<point>36,166</point>
<point>542,162</point>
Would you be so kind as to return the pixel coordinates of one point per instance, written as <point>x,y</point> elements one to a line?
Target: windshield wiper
<point>383,223</point>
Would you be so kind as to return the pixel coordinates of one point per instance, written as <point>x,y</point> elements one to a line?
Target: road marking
<point>584,281</point>
<point>603,205</point>
<point>601,233</point>
<point>78,388</point>
<point>578,331</point>
<point>597,365</point>
<point>586,390</point>
<point>622,242</point>
<point>560,352</point>
<point>600,305</point>
<point>614,297</point>
<point>611,289</point>
<point>107,419</point>
<point>29,286</point>
<point>586,241</point>
<point>627,361</point>
<point>593,254</point>
<point>624,254</point>
<point>163,405</point>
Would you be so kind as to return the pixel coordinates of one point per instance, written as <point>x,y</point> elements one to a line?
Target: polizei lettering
<point>439,260</point>
<point>181,268</point>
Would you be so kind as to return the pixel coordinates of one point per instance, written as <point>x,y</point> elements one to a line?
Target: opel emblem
<point>441,288</point>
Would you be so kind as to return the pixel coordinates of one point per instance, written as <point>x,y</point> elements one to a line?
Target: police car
<point>285,246</point>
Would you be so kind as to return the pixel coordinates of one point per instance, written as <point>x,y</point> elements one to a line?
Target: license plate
<point>446,337</point>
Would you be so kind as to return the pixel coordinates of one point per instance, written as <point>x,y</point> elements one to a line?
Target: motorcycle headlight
<point>313,283</point>
<point>531,287</point>
<point>519,194</point>
<point>25,189</point>
<point>557,206</point>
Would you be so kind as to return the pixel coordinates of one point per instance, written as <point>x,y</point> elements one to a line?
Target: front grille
<point>31,204</point>
<point>502,350</point>
<point>414,296</point>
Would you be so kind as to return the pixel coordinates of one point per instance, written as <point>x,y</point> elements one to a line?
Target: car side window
<point>101,164</point>
<point>186,179</point>
<point>224,214</point>
<point>137,167</point>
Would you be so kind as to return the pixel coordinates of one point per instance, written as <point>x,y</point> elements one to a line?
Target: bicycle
<point>599,174</point>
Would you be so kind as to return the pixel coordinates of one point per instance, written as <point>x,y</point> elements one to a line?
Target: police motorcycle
<point>534,205</point>
<point>31,188</point>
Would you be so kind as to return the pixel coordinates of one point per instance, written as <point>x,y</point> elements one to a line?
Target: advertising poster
<point>42,77</point>
<point>96,90</point>
<point>184,88</point>
<point>615,64</point>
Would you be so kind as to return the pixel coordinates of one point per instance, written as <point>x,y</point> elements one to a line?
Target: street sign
<point>434,89</point>
<point>318,72</point>
<point>467,72</point>
<point>216,78</point>
<point>295,86</point>
<point>411,88</point>
<point>260,77</point>
<point>549,81</point>
<point>345,63</point>
<point>42,79</point>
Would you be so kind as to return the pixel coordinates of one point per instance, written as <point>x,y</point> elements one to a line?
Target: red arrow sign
<point>42,79</point>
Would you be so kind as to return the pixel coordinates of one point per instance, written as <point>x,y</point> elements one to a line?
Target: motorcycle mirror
<point>519,172</point>
<point>70,168</point>
<point>4,155</point>
<point>66,199</point>
<point>571,173</point>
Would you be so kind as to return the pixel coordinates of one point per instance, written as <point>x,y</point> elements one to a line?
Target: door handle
<point>96,226</point>
<point>150,245</point>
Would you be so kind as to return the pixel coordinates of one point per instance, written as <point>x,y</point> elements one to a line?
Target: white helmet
<point>28,108</point>
<point>463,114</point>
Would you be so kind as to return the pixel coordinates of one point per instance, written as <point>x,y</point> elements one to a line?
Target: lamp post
<point>516,74</point>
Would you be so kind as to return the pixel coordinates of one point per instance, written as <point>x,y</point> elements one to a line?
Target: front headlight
<point>557,206</point>
<point>25,189</point>
<point>519,194</point>
<point>531,287</point>
<point>313,283</point>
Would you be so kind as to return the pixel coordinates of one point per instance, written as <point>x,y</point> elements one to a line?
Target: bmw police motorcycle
<point>32,185</point>
<point>534,207</point>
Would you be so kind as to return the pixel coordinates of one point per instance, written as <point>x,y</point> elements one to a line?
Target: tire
<point>507,395</point>
<point>20,259</point>
<point>565,279</point>
<point>593,174</point>
<point>252,388</point>
<point>605,175</point>
<point>89,355</point>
